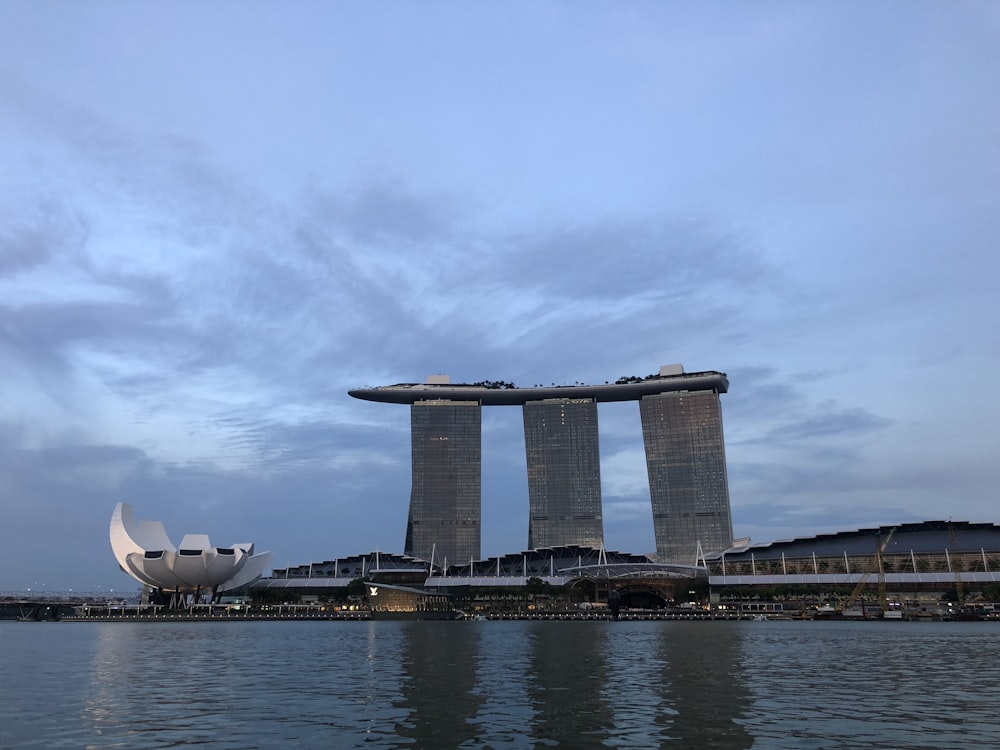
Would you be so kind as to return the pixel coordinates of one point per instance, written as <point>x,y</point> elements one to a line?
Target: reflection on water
<point>437,689</point>
<point>498,684</point>
<point>707,684</point>
<point>568,668</point>
<point>859,685</point>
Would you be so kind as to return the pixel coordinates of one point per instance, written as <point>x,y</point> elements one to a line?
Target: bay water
<point>499,684</point>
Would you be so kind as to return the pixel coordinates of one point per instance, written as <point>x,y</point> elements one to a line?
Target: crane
<point>880,568</point>
<point>956,567</point>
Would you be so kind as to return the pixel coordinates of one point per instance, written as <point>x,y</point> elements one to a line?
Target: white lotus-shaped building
<point>146,553</point>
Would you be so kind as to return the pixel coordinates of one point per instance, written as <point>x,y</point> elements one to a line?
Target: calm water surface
<point>499,685</point>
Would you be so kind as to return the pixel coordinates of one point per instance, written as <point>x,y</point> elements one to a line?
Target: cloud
<point>828,421</point>
<point>384,214</point>
<point>199,258</point>
<point>22,247</point>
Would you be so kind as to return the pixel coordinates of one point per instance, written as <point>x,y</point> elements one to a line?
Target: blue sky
<point>215,219</point>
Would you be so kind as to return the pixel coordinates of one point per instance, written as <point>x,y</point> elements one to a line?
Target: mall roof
<point>920,537</point>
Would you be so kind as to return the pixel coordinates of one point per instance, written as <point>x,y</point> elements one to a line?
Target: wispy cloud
<point>198,258</point>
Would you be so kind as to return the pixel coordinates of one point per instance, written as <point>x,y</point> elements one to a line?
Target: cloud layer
<point>205,244</point>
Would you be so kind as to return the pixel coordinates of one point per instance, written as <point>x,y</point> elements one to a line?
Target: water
<point>499,685</point>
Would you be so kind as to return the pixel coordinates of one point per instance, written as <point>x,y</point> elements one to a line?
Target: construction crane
<point>880,569</point>
<point>956,567</point>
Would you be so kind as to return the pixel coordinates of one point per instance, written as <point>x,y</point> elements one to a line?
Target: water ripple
<point>499,685</point>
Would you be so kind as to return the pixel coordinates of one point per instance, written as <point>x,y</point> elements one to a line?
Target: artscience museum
<point>194,568</point>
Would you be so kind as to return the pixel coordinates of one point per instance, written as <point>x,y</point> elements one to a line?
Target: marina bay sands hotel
<point>681,418</point>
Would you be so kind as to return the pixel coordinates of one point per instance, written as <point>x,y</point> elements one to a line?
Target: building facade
<point>686,465</point>
<point>564,473</point>
<point>685,456</point>
<point>445,514</point>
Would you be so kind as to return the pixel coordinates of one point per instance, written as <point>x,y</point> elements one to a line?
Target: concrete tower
<point>685,459</point>
<point>686,464</point>
<point>564,473</point>
<point>445,500</point>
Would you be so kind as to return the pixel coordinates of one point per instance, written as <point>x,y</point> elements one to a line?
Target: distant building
<point>445,507</point>
<point>686,463</point>
<point>195,568</point>
<point>564,473</point>
<point>911,556</point>
<point>682,428</point>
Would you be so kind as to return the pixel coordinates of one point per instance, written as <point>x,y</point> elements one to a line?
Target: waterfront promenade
<point>51,609</point>
<point>287,612</point>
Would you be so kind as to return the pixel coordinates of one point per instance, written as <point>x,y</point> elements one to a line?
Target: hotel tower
<point>681,418</point>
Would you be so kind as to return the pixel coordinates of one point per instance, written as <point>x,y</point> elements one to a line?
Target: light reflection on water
<point>499,684</point>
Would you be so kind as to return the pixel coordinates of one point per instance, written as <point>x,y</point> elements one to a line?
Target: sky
<point>217,218</point>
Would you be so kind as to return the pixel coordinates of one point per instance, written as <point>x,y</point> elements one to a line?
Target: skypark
<point>411,393</point>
